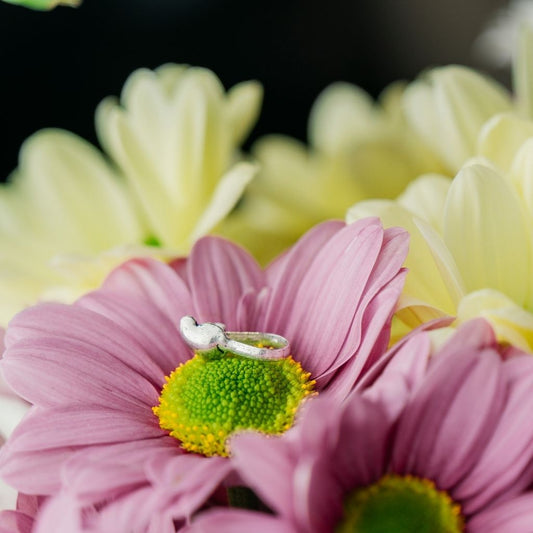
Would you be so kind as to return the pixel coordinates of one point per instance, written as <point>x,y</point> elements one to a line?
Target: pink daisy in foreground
<point>99,372</point>
<point>457,458</point>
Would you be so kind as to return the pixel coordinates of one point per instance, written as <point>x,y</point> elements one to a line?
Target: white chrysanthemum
<point>358,149</point>
<point>448,106</point>
<point>69,214</point>
<point>471,250</point>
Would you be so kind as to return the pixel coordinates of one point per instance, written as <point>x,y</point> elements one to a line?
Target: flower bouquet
<point>297,338</point>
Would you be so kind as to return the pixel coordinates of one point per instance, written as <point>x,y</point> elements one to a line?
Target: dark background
<point>57,66</point>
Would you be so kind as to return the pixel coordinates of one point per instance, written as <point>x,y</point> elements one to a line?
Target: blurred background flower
<point>171,172</point>
<point>58,65</point>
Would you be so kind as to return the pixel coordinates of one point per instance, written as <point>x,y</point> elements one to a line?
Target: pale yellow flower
<point>172,172</point>
<point>448,106</point>
<point>471,250</point>
<point>360,149</point>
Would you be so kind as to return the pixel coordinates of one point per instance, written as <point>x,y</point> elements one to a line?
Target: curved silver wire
<point>204,337</point>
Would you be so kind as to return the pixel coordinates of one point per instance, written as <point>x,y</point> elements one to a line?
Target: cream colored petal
<point>258,213</point>
<point>523,71</point>
<point>501,137</point>
<point>425,286</point>
<point>512,323</point>
<point>444,261</point>
<point>447,108</point>
<point>391,101</point>
<point>340,114</point>
<point>118,140</point>
<point>263,227</point>
<point>244,105</point>
<point>18,290</point>
<point>203,142</point>
<point>521,174</point>
<point>170,75</point>
<point>74,196</point>
<point>290,175</point>
<point>225,196</point>
<point>173,144</point>
<point>425,197</point>
<point>77,274</point>
<point>485,229</point>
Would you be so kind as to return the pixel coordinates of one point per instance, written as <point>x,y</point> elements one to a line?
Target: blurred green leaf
<point>44,5</point>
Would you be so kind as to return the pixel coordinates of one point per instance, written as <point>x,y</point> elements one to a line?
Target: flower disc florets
<point>215,394</point>
<point>402,504</point>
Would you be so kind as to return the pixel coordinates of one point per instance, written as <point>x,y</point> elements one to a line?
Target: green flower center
<point>216,394</point>
<point>402,504</point>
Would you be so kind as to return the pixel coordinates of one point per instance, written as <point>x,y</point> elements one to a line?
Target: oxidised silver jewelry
<point>209,335</point>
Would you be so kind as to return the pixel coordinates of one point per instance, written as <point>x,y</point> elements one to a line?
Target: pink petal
<point>360,458</point>
<point>50,373</point>
<point>317,426</point>
<point>385,283</point>
<point>238,522</point>
<point>29,504</point>
<point>317,495</point>
<point>46,438</point>
<point>473,335</point>
<point>180,486</point>
<point>393,383</point>
<point>377,369</point>
<point>102,472</point>
<point>285,274</point>
<point>46,429</point>
<point>324,327</point>
<point>15,522</point>
<point>338,449</point>
<point>179,266</point>
<point>157,333</point>
<point>153,281</point>
<point>375,327</point>
<point>504,468</point>
<point>250,309</point>
<point>220,273</point>
<point>445,428</point>
<point>265,464</point>
<point>184,483</point>
<point>132,513</point>
<point>514,516</point>
<point>34,473</point>
<point>63,354</point>
<point>62,514</point>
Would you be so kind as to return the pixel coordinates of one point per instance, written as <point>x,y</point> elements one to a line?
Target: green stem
<point>245,498</point>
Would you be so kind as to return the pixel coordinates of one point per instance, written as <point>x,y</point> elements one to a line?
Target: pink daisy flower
<point>98,372</point>
<point>456,457</point>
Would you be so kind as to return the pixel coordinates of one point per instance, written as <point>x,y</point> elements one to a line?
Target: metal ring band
<point>207,336</point>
